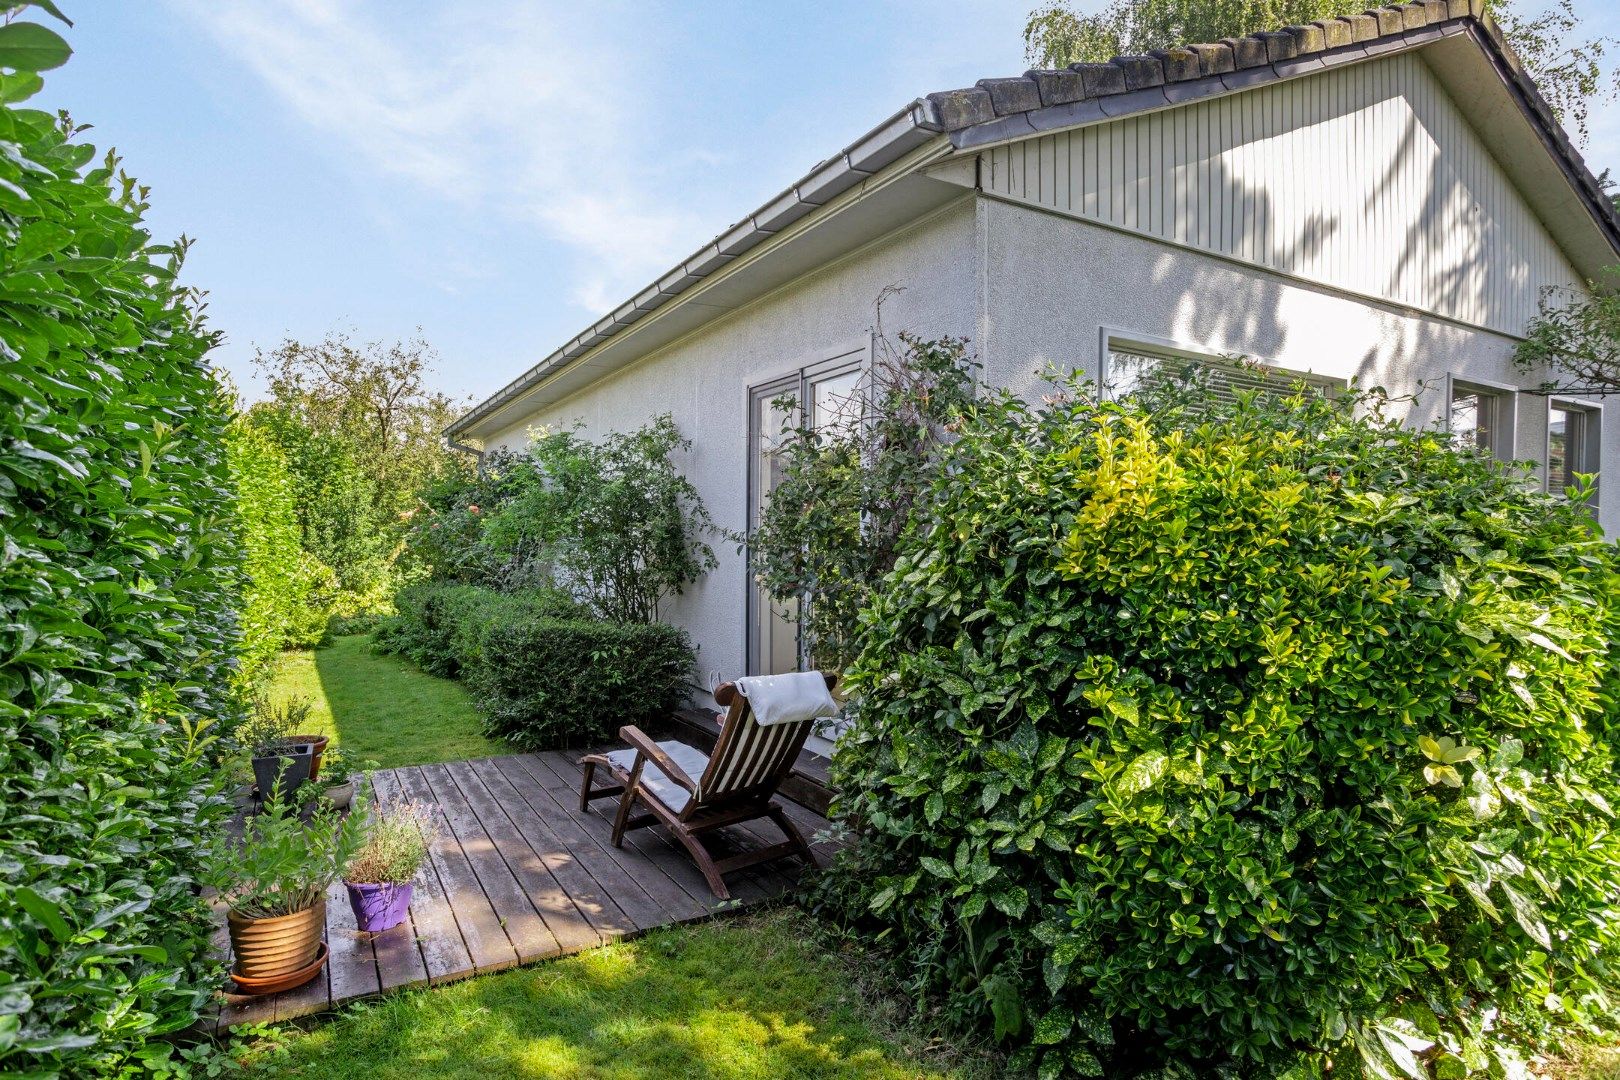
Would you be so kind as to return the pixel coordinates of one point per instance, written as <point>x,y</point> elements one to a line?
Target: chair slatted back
<point>750,759</point>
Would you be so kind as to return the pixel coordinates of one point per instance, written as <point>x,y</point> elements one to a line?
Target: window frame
<point>799,379</point>
<point>1506,392</point>
<point>1591,440</point>
<point>1112,339</point>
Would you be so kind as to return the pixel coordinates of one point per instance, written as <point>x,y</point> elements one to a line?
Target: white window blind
<point>1132,372</point>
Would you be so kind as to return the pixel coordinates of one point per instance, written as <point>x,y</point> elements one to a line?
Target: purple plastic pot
<point>378,907</point>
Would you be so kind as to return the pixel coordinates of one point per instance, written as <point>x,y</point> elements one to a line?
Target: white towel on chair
<point>788,699</point>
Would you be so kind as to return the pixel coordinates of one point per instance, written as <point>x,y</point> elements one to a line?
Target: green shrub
<point>118,595</point>
<point>286,591</point>
<point>543,672</point>
<point>439,628</point>
<point>613,521</point>
<point>545,682</point>
<point>1253,740</point>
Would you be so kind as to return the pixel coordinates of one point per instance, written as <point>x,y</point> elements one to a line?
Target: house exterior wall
<point>1347,225</point>
<point>1367,178</point>
<point>1053,284</point>
<point>703,382</point>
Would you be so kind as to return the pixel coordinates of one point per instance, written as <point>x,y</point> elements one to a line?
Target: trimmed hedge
<point>286,590</point>
<point>439,627</point>
<point>1256,742</point>
<point>118,599</point>
<point>543,675</point>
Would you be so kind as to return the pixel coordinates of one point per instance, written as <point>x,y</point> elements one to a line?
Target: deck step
<point>808,783</point>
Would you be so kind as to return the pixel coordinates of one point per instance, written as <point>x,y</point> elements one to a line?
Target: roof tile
<point>1335,33</point>
<point>1141,72</point>
<point>1307,39</point>
<point>1100,79</point>
<point>1414,15</point>
<point>1213,59</point>
<point>1390,20</point>
<point>1179,64</point>
<point>1008,96</point>
<point>1363,26</point>
<point>1247,52</point>
<point>1437,11</point>
<point>1057,87</point>
<point>962,108</point>
<point>1280,45</point>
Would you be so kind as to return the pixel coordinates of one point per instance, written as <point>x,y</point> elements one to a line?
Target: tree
<point>1567,70</point>
<point>360,429</point>
<point>1576,337</point>
<point>615,522</point>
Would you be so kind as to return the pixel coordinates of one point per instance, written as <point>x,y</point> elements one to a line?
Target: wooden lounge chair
<point>692,793</point>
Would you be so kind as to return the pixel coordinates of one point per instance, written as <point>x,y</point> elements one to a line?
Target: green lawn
<point>741,998</point>
<point>380,708</point>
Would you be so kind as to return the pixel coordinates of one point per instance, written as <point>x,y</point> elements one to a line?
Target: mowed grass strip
<point>730,999</point>
<point>380,708</point>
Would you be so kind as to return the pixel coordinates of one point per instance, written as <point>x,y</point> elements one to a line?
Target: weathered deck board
<point>518,874</point>
<point>480,924</point>
<point>438,938</point>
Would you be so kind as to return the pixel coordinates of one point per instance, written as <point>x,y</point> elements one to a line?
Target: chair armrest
<point>643,745</point>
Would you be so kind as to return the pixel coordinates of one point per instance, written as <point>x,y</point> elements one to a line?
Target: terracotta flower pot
<point>318,745</point>
<point>266,948</point>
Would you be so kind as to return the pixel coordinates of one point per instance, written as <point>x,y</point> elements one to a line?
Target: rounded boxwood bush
<point>1250,741</point>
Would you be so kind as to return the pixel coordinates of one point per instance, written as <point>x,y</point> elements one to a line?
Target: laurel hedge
<point>287,593</point>
<point>1265,739</point>
<point>118,594</point>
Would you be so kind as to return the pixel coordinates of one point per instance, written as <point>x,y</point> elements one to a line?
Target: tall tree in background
<point>1568,70</point>
<point>360,429</point>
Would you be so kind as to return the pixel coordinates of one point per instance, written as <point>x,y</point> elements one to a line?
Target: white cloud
<point>520,115</point>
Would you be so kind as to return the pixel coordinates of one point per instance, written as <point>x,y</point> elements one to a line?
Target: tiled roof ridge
<point>1285,51</point>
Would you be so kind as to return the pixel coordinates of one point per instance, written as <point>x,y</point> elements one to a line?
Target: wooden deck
<point>519,874</point>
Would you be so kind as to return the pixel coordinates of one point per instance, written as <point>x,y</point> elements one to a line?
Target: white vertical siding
<point>1367,178</point>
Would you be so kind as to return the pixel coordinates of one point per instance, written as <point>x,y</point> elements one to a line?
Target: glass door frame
<point>800,384</point>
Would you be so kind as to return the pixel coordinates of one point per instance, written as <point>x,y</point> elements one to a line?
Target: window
<point>1482,416</point>
<point>1574,441</point>
<point>835,391</point>
<point>1130,369</point>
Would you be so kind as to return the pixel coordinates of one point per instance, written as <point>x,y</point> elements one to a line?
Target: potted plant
<point>273,883</point>
<point>379,873</point>
<point>295,714</point>
<point>280,762</point>
<point>339,776</point>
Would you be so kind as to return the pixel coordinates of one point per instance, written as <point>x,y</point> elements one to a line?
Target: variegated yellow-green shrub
<point>1245,740</point>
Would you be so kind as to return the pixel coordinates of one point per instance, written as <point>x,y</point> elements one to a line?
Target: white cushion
<point>690,761</point>
<point>790,698</point>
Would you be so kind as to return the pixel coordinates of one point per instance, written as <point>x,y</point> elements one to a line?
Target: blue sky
<point>498,174</point>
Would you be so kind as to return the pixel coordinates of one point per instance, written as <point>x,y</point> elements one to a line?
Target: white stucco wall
<point>703,382</point>
<point>1030,288</point>
<point>1052,282</point>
